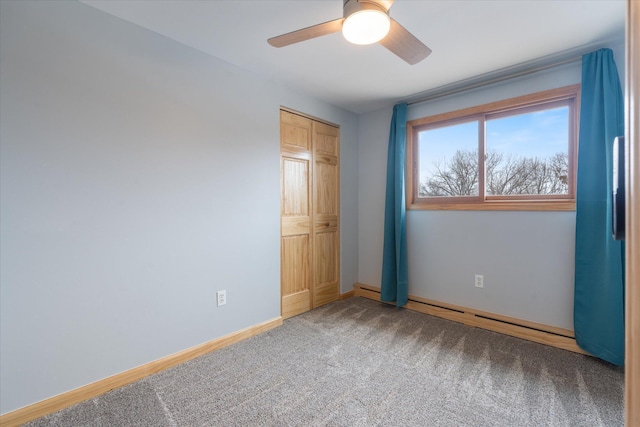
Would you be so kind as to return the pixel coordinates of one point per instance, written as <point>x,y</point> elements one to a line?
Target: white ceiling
<point>468,38</point>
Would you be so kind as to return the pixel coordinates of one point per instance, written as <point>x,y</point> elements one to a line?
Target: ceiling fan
<point>364,22</point>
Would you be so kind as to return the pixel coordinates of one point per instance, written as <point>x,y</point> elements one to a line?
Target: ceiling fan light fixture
<point>366,26</point>
<point>363,22</point>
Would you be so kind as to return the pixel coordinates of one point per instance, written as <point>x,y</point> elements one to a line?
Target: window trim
<point>527,103</point>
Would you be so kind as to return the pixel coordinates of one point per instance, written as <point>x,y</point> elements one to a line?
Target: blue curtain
<point>395,287</point>
<point>599,262</point>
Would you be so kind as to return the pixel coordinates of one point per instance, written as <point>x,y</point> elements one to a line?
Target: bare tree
<point>559,164</point>
<point>510,176</point>
<point>458,177</point>
<point>503,175</point>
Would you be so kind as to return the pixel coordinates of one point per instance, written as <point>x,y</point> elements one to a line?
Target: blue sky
<point>535,134</point>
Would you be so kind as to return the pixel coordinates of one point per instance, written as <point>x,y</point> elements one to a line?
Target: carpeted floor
<point>361,363</point>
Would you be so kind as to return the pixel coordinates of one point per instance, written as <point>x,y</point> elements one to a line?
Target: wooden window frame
<point>568,95</point>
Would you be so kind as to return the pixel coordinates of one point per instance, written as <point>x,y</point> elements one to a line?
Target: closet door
<point>326,208</point>
<point>296,245</point>
<point>310,240</point>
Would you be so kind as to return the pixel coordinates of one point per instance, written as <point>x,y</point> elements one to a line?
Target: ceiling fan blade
<point>307,33</point>
<point>404,44</point>
<point>385,3</point>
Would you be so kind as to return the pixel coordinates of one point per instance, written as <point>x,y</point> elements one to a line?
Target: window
<point>517,154</point>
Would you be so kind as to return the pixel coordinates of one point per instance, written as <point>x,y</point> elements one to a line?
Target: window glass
<point>528,153</point>
<point>449,160</point>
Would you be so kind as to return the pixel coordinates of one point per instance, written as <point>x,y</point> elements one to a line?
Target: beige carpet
<point>361,363</point>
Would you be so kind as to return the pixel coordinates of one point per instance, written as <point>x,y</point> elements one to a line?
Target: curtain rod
<point>487,79</point>
<point>507,73</point>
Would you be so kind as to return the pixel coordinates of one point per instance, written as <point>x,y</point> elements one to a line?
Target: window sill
<point>546,205</point>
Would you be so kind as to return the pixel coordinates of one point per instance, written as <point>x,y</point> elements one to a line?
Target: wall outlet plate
<point>479,281</point>
<point>221,298</point>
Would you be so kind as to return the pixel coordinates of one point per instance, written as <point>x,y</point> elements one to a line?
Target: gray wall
<point>527,258</point>
<point>138,176</point>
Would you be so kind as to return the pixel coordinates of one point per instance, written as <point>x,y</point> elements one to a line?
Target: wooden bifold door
<point>310,212</point>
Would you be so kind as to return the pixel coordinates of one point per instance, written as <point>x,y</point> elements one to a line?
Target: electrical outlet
<point>221,298</point>
<point>479,281</point>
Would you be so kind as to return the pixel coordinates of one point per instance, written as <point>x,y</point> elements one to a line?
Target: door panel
<point>325,250</point>
<point>326,207</point>
<point>327,187</point>
<point>325,295</point>
<point>296,214</point>
<point>295,132</point>
<point>295,225</point>
<point>326,139</point>
<point>295,304</point>
<point>295,275</point>
<point>295,187</point>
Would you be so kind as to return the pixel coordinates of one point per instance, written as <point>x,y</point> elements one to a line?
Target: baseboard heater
<point>531,331</point>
